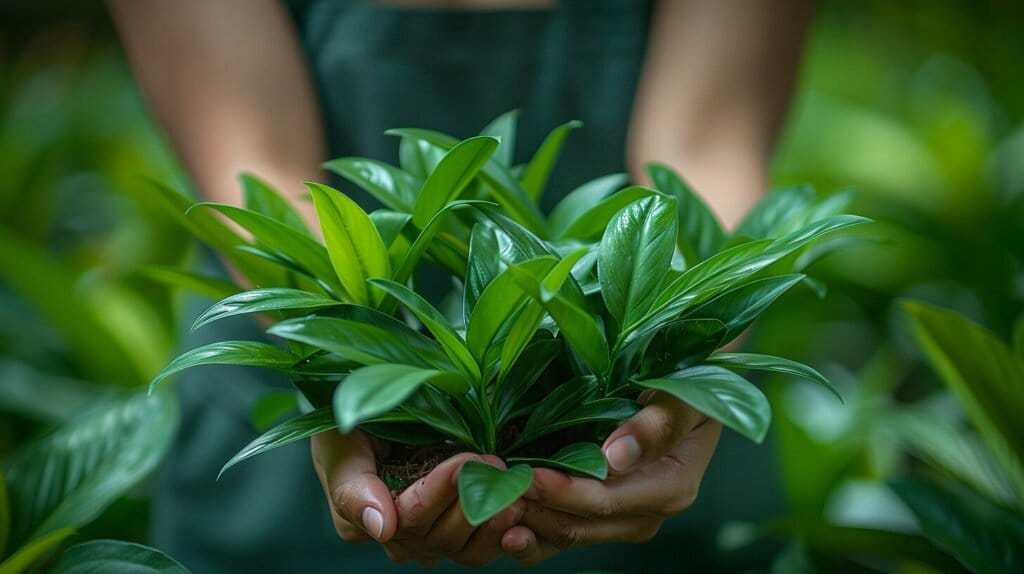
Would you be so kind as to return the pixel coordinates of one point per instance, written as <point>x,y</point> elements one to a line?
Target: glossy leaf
<point>389,225</point>
<point>425,237</point>
<point>484,490</point>
<point>598,410</point>
<point>634,256</point>
<point>295,429</point>
<point>450,341</point>
<point>581,199</point>
<point>518,378</point>
<point>245,353</point>
<point>591,223</point>
<point>259,197</point>
<point>504,127</point>
<point>584,458</point>
<point>388,184</point>
<point>481,265</point>
<point>435,409</point>
<point>757,362</point>
<point>356,250</point>
<point>498,303</point>
<point>535,176</point>
<point>68,477</point>
<point>701,235</point>
<point>260,300</point>
<point>776,211</point>
<point>682,344</point>
<point>739,307</point>
<point>375,390</point>
<point>720,394</point>
<point>115,557</point>
<point>519,334</point>
<point>560,400</point>
<point>456,169</point>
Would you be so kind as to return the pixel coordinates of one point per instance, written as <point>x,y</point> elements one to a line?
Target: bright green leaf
<point>260,197</point>
<point>260,300</point>
<point>246,353</point>
<point>535,176</point>
<point>592,222</point>
<point>375,390</point>
<point>757,362</point>
<point>503,127</point>
<point>456,169</point>
<point>388,184</point>
<point>700,234</point>
<point>484,490</point>
<point>581,199</point>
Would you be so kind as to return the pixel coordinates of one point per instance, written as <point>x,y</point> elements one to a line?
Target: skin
<point>712,96</point>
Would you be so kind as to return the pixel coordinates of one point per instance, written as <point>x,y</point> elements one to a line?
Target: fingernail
<point>623,453</point>
<point>519,545</point>
<point>373,522</point>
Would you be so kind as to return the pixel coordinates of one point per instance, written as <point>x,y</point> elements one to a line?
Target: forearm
<point>228,83</point>
<point>713,95</point>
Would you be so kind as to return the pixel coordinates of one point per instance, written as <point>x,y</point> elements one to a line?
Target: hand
<point>656,461</point>
<point>424,523</point>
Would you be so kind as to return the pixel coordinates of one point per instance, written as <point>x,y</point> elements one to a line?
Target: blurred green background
<point>917,105</point>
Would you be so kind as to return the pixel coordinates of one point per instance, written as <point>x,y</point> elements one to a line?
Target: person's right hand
<point>424,523</point>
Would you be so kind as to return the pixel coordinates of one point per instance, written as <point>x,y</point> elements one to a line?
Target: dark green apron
<point>380,67</point>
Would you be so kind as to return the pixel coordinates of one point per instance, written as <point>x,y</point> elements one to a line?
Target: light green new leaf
<point>503,127</point>
<point>591,223</point>
<point>634,256</point>
<point>581,199</point>
<point>356,250</point>
<point>375,390</point>
<point>456,169</point>
<point>484,490</point>
<point>757,362</point>
<point>720,394</point>
<point>26,556</point>
<point>535,176</point>
<point>585,458</point>
<point>388,184</point>
<point>258,196</point>
<point>260,300</point>
<point>450,341</point>
<point>700,234</point>
<point>523,328</point>
<point>115,557</point>
<point>418,157</point>
<point>68,477</point>
<point>497,305</point>
<point>298,428</point>
<point>553,281</point>
<point>245,353</point>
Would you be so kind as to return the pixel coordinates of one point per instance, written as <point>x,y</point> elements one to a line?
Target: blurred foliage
<point>917,105</point>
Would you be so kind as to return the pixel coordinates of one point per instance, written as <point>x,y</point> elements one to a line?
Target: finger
<point>485,545</point>
<point>422,503</point>
<point>347,467</point>
<point>565,531</point>
<point>348,532</point>
<point>450,533</point>
<point>651,433</point>
<point>521,545</point>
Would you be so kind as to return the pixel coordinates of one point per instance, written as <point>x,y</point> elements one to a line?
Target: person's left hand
<point>656,462</point>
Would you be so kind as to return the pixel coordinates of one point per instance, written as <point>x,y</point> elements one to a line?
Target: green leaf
<point>260,300</point>
<point>296,429</point>
<point>757,362</point>
<point>583,458</point>
<point>559,401</point>
<point>634,256</point>
<point>67,478</point>
<point>389,225</point>
<point>212,287</point>
<point>434,408</point>
<point>503,127</point>
<point>484,490</point>
<point>518,378</point>
<point>720,394</point>
<point>356,250</point>
<point>581,199</point>
<point>1018,339</point>
<point>508,192</point>
<point>115,557</point>
<point>777,211</point>
<point>681,344</point>
<point>375,390</point>
<point>498,304</point>
<point>553,281</point>
<point>263,199</point>
<point>246,353</point>
<point>599,410</point>
<point>797,239</point>
<point>450,341</point>
<point>271,407</point>
<point>365,343</point>
<point>983,373</point>
<point>535,176</point>
<point>592,222</point>
<point>481,266</point>
<point>986,538</point>
<point>700,234</point>
<point>523,328</point>
<point>456,169</point>
<point>5,515</point>
<point>426,235</point>
<point>26,556</point>
<point>739,307</point>
<point>388,184</point>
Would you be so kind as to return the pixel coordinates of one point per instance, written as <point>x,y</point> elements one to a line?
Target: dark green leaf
<point>388,184</point>
<point>535,176</point>
<point>583,458</point>
<point>700,234</point>
<point>456,169</point>
<point>375,390</point>
<point>498,304</point>
<point>29,554</point>
<point>260,300</point>
<point>115,557</point>
<point>591,223</point>
<point>426,235</point>
<point>435,409</point>
<point>484,490</point>
<point>738,307</point>
<point>503,127</point>
<point>246,353</point>
<point>720,394</point>
<point>5,515</point>
<point>634,256</point>
<point>562,399</point>
<point>777,212</point>
<point>682,344</point>
<point>298,428</point>
<point>756,362</point>
<point>521,375</point>
<point>519,334</point>
<point>581,199</point>
<point>600,410</point>
<point>263,199</point>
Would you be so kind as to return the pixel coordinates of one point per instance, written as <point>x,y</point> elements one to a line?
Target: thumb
<point>347,467</point>
<point>651,433</point>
